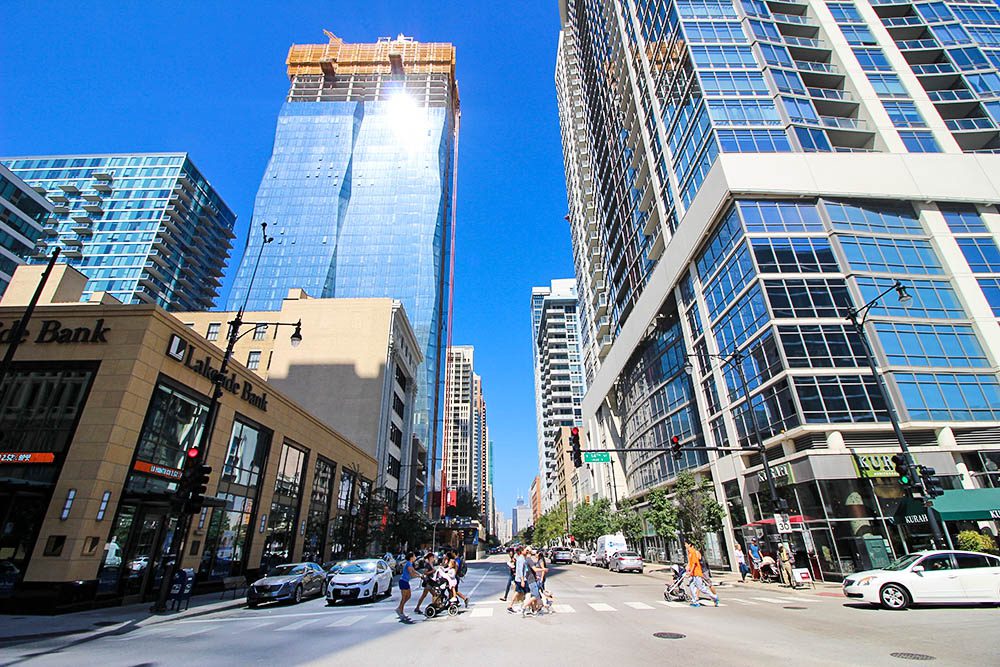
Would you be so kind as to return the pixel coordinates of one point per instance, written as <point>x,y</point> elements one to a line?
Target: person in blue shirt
<point>755,556</point>
<point>409,572</point>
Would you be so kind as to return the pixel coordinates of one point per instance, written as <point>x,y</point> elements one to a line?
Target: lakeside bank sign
<point>184,352</point>
<point>53,331</point>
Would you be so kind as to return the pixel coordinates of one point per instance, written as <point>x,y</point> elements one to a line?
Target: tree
<point>465,505</point>
<point>551,526</point>
<point>591,520</point>
<point>662,514</point>
<point>628,522</point>
<point>698,512</point>
<point>526,534</point>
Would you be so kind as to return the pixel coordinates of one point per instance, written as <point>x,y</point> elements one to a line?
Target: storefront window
<point>318,519</point>
<point>227,540</point>
<point>847,498</point>
<point>279,540</point>
<point>173,425</point>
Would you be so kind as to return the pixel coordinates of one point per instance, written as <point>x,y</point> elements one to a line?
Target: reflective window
<point>911,344</point>
<point>873,217</point>
<point>821,346</point>
<point>840,398</point>
<point>887,86</point>
<point>753,141</point>
<point>807,298</point>
<point>904,113</point>
<point>919,142</point>
<point>720,244</point>
<point>858,35</point>
<point>888,255</point>
<point>934,299</point>
<point>945,396</point>
<point>743,320</point>
<point>991,288</point>
<point>737,272</point>
<point>794,255</point>
<point>844,12</point>
<point>780,216</point>
<point>773,409</point>
<point>872,60</point>
<point>981,253</point>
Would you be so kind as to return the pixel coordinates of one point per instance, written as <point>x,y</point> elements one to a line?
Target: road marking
<point>600,606</point>
<point>638,605</point>
<point>344,622</point>
<point>481,580</point>
<point>192,633</point>
<point>671,603</point>
<point>389,619</point>
<point>250,626</point>
<point>563,609</point>
<point>742,601</point>
<point>479,602</point>
<point>771,600</point>
<point>481,612</point>
<point>297,625</point>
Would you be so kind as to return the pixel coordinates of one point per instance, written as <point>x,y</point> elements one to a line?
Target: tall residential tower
<point>359,191</point>
<point>741,173</point>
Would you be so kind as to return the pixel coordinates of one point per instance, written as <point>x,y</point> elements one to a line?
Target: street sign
<point>782,523</point>
<point>597,457</point>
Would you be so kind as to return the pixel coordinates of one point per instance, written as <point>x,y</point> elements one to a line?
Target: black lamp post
<point>19,329</point>
<point>196,455</point>
<point>857,318</point>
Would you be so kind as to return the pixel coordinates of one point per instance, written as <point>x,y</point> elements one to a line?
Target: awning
<point>955,505</point>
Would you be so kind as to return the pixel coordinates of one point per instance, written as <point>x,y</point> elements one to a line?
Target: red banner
<point>452,497</point>
<point>158,470</point>
<point>27,457</point>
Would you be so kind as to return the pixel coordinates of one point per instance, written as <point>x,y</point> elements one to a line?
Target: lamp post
<point>857,318</point>
<point>736,360</point>
<point>196,455</point>
<point>19,329</point>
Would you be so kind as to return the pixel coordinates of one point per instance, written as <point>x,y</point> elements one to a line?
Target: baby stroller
<point>768,570</point>
<point>676,590</point>
<point>440,598</point>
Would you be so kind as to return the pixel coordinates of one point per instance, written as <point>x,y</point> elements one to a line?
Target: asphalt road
<point>601,618</point>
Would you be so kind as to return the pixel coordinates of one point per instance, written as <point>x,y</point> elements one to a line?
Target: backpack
<point>463,568</point>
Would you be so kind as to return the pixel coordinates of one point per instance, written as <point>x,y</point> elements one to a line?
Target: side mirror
<point>917,569</point>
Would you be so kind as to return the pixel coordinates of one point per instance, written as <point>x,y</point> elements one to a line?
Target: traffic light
<point>675,447</point>
<point>574,443</point>
<point>193,453</point>
<point>194,486</point>
<point>903,470</point>
<point>932,483</point>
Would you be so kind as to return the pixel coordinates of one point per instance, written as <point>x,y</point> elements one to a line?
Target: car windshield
<point>358,568</point>
<point>628,554</point>
<point>286,570</point>
<point>337,567</point>
<point>901,563</point>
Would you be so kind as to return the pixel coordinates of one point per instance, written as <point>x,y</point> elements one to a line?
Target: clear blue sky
<point>209,77</point>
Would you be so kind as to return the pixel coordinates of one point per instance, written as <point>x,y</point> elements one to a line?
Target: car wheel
<point>251,605</point>
<point>894,596</point>
<point>298,594</point>
<point>330,603</point>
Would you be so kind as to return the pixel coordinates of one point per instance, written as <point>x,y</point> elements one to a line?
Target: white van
<point>607,545</point>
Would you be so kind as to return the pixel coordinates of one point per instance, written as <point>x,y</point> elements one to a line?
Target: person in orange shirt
<point>697,576</point>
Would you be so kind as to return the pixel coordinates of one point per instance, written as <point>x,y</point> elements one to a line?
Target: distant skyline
<point>209,78</point>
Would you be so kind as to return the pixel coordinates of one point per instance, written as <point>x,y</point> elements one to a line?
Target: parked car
<point>560,555</point>
<point>390,560</point>
<point>579,556</point>
<point>625,561</point>
<point>332,568</point>
<point>929,577</point>
<point>590,558</point>
<point>360,579</point>
<point>292,582</point>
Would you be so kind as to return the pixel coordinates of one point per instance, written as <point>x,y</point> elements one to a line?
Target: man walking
<point>696,573</point>
<point>425,570</point>
<point>755,558</point>
<point>519,586</point>
<point>785,558</point>
<point>511,564</point>
<point>532,573</point>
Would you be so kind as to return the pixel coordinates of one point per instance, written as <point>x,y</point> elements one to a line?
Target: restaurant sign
<point>874,465</point>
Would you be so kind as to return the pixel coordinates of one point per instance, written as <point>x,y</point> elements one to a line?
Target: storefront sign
<point>916,518</point>
<point>782,474</point>
<point>874,465</point>
<point>27,457</point>
<point>158,470</point>
<point>182,351</point>
<point>995,514</point>
<point>53,331</point>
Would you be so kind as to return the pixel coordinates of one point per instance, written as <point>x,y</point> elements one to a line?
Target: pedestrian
<point>532,572</point>
<point>461,570</point>
<point>511,566</point>
<point>785,559</point>
<point>426,570</point>
<point>449,570</point>
<point>694,570</point>
<point>520,588</point>
<point>741,561</point>
<point>409,572</point>
<point>756,558</point>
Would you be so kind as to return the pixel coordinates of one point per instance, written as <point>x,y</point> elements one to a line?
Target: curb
<point>203,610</point>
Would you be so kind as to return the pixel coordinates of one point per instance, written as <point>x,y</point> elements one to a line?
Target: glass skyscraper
<point>740,174</point>
<point>358,192</point>
<point>145,228</point>
<point>23,213</point>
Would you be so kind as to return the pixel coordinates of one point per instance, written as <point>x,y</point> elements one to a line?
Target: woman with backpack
<point>460,568</point>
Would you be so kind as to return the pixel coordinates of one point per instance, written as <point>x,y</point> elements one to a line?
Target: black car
<point>290,583</point>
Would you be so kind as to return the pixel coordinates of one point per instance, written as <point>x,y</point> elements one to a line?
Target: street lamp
<point>857,318</point>
<point>736,360</point>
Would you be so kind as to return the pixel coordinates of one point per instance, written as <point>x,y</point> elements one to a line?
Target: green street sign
<point>597,457</point>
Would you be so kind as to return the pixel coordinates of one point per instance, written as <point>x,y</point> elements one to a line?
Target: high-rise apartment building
<point>144,227</point>
<point>23,215</point>
<point>458,455</point>
<point>559,385</point>
<point>482,462</point>
<point>741,173</point>
<point>520,516</point>
<point>359,191</point>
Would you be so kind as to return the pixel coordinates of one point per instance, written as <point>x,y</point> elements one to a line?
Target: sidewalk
<point>731,580</point>
<point>16,629</point>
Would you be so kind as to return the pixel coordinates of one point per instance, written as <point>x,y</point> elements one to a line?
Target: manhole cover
<point>913,656</point>
<point>796,608</point>
<point>669,635</point>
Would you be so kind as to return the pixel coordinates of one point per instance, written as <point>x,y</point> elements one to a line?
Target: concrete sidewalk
<point>17,629</point>
<point>727,579</point>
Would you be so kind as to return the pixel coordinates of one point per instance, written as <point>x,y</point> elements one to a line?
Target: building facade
<point>521,516</point>
<point>23,216</point>
<point>482,461</point>
<point>458,460</point>
<point>144,227</point>
<point>97,414</point>
<point>558,367</point>
<point>356,370</point>
<point>359,191</point>
<point>741,174</point>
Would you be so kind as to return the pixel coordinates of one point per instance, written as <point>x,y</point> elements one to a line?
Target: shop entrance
<point>134,556</point>
<point>21,515</point>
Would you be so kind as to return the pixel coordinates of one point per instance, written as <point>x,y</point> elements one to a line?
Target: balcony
<point>60,209</point>
<point>843,123</point>
<point>933,69</point>
<point>92,197</point>
<point>59,198</point>
<point>917,44</point>
<point>902,21</point>
<point>967,124</point>
<point>101,175</point>
<point>70,189</point>
<point>40,190</point>
<point>82,230</point>
<point>72,241</point>
<point>50,231</point>
<point>92,207</point>
<point>813,66</point>
<point>102,187</point>
<point>81,216</point>
<point>794,19</point>
<point>806,43</point>
<point>831,94</point>
<point>959,95</point>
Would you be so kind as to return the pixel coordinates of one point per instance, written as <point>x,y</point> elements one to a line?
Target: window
<point>794,255</point>
<point>822,346</point>
<point>962,219</point>
<point>780,216</point>
<point>934,299</point>
<point>912,344</point>
<point>714,32</point>
<point>981,253</point>
<point>812,140</point>
<point>919,142</point>
<point>799,110</point>
<point>887,85</point>
<point>719,245</point>
<point>260,332</point>
<point>392,466</point>
<point>753,141</point>
<point>972,561</point>
<point>743,112</point>
<point>873,217</point>
<point>788,82</point>
<point>213,331</point>
<point>889,255</point>
<point>346,490</point>
<point>950,34</point>
<point>734,276</point>
<point>253,360</point>
<point>839,399</point>
<point>872,60</point>
<point>904,114</point>
<point>808,298</point>
<point>776,55</point>
<point>968,59</point>
<point>934,12</point>
<point>397,405</point>
<point>844,12</point>
<point>723,57</point>
<point>774,410</point>
<point>743,320</point>
<point>948,396</point>
<point>858,35</point>
<point>991,288</point>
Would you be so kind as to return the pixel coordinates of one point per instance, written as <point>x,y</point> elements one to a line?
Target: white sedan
<point>929,577</point>
<point>360,579</point>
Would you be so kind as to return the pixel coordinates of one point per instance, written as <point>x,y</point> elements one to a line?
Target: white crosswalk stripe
<point>742,601</point>
<point>389,619</point>
<point>638,605</point>
<point>344,622</point>
<point>297,625</point>
<point>193,631</point>
<point>480,612</point>
<point>563,609</point>
<point>771,600</point>
<point>600,606</point>
<point>671,603</point>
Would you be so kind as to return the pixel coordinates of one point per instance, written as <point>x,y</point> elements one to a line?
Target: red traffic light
<point>193,453</point>
<point>675,440</point>
<point>575,430</point>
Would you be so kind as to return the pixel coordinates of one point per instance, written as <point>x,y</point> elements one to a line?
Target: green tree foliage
<point>662,514</point>
<point>970,540</point>
<point>465,505</point>
<point>591,520</point>
<point>525,535</point>
<point>628,522</point>
<point>689,514</point>
<point>551,526</point>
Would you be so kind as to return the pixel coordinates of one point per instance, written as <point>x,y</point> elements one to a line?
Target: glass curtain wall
<point>279,540</point>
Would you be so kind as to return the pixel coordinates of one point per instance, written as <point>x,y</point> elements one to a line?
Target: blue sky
<point>209,77</point>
